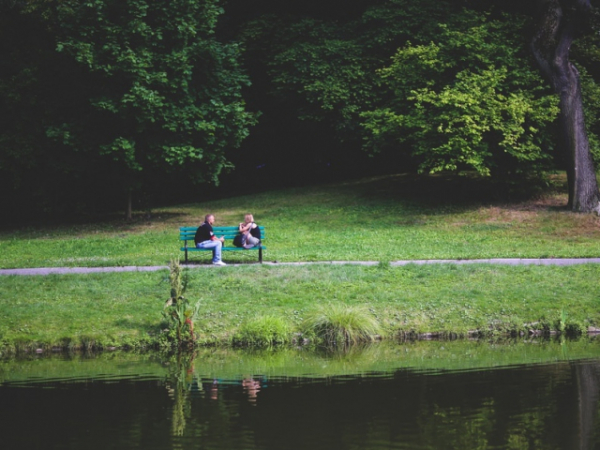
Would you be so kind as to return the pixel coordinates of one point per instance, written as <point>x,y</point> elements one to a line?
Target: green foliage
<point>461,93</point>
<point>263,331</point>
<point>169,93</point>
<point>141,91</point>
<point>326,69</point>
<point>178,312</point>
<point>338,324</point>
<point>585,54</point>
<point>467,100</point>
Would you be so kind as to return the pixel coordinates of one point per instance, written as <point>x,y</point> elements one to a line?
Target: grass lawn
<point>113,309</point>
<point>377,219</point>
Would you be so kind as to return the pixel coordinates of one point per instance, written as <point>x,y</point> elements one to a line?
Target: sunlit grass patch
<point>263,331</point>
<point>340,324</point>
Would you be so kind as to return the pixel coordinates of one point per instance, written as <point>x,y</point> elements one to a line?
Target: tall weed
<point>178,312</point>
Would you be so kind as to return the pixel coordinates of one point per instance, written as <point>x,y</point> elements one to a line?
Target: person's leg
<point>217,252</point>
<point>215,246</point>
<point>251,241</point>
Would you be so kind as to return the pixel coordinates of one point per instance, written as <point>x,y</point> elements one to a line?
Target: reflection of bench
<point>186,234</point>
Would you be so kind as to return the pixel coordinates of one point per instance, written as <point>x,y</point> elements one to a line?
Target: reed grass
<point>263,331</point>
<point>338,324</point>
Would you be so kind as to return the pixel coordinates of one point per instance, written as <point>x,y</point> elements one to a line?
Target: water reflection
<point>179,385</point>
<point>434,395</point>
<point>587,379</point>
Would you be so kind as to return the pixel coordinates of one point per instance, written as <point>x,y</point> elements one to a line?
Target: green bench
<point>186,234</point>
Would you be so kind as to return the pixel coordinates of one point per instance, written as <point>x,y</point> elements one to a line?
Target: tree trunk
<point>558,22</point>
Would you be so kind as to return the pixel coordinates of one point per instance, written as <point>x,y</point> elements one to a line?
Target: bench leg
<point>186,256</point>
<point>260,255</point>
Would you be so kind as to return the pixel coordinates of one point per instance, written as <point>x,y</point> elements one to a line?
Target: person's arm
<point>213,236</point>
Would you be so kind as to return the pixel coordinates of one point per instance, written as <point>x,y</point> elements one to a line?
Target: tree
<point>150,95</point>
<point>465,100</point>
<point>321,74</point>
<point>557,25</point>
<point>168,93</point>
<point>460,94</point>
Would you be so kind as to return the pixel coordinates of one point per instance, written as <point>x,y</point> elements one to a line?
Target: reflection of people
<point>205,238</point>
<point>250,232</point>
<point>251,387</point>
<point>214,390</point>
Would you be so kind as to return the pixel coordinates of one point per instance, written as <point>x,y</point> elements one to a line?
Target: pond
<point>538,394</point>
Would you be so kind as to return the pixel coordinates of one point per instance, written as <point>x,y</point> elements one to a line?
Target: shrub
<point>341,324</point>
<point>263,331</point>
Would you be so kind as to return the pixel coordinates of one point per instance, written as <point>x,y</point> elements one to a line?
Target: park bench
<point>186,234</point>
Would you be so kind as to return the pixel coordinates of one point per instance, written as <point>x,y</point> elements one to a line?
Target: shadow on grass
<point>427,194</point>
<point>433,192</point>
<point>101,223</point>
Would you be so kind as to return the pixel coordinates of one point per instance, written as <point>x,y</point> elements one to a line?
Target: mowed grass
<point>377,219</point>
<point>116,309</point>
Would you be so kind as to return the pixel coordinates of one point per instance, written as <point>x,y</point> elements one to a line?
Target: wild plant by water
<point>178,311</point>
<point>341,324</point>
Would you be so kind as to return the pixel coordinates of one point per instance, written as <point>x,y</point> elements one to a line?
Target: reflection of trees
<point>587,379</point>
<point>551,406</point>
<point>554,406</point>
<point>527,407</point>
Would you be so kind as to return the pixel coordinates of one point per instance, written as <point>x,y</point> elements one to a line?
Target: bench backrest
<point>188,233</point>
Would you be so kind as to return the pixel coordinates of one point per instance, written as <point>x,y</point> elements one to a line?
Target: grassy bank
<point>114,309</point>
<point>379,219</point>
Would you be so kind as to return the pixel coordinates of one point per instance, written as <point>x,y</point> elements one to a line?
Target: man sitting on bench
<point>205,238</point>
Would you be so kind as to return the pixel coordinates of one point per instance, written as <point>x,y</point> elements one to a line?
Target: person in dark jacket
<point>205,238</point>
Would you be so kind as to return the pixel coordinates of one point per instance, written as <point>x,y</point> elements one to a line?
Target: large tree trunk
<point>557,23</point>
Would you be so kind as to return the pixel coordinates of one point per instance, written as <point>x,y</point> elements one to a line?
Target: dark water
<point>414,396</point>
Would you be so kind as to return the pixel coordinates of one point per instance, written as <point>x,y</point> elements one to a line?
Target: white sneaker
<point>219,263</point>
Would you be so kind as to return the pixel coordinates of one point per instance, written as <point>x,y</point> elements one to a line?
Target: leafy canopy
<point>163,91</point>
<point>452,88</point>
<point>468,100</point>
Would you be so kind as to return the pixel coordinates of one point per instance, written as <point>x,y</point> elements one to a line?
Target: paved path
<point>505,261</point>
